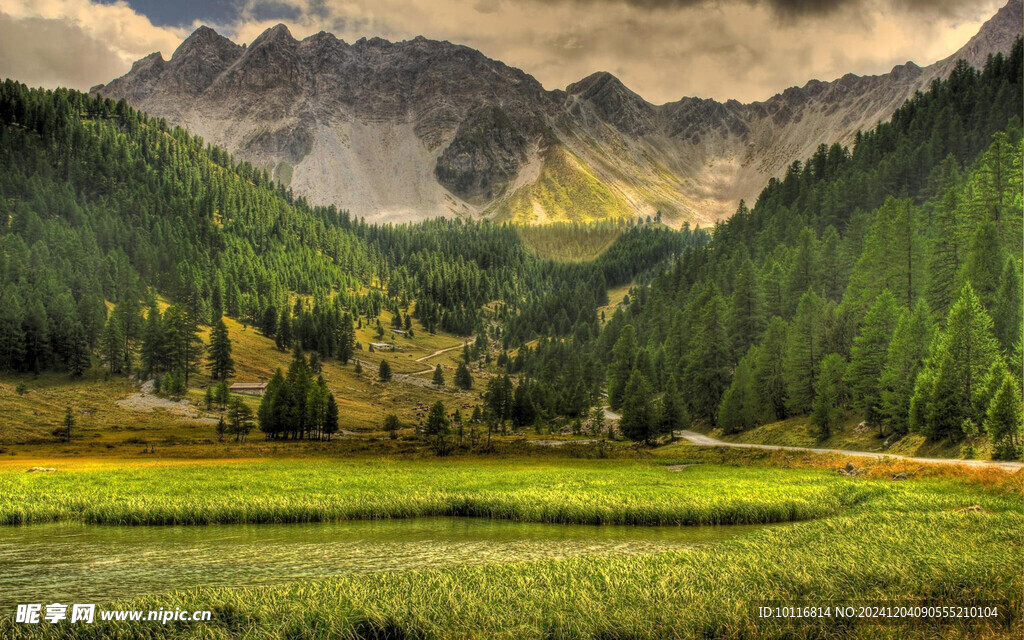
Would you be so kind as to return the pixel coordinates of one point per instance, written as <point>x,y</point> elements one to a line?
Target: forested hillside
<point>883,280</point>
<point>102,204</point>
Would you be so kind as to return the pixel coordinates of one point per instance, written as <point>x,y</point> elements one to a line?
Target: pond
<point>95,563</point>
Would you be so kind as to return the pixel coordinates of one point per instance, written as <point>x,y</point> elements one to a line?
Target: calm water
<point>90,563</point>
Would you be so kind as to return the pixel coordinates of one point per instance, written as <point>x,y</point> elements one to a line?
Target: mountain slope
<point>421,128</point>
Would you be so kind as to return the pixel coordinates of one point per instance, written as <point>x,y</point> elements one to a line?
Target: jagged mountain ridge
<point>422,128</point>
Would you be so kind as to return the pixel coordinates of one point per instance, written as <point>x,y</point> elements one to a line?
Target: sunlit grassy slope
<point>566,190</point>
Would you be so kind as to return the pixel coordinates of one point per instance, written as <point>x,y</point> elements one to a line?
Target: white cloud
<point>76,43</point>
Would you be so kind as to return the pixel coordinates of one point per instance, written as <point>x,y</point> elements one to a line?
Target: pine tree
<point>184,345</point>
<point>903,362</point>
<point>803,271</point>
<point>12,338</point>
<point>68,423</point>
<point>706,374</point>
<point>283,337</point>
<point>438,376</point>
<point>803,352</point>
<point>867,358</point>
<point>79,356</point>
<point>829,395</point>
<point>1007,307</point>
<point>239,419</point>
<point>769,370</point>
<point>984,264</point>
<point>908,255</point>
<point>384,371</point>
<point>673,415</point>
<point>438,427</point>
<point>949,248</point>
<point>275,398</point>
<point>463,379</point>
<point>392,424</point>
<point>330,426</point>
<point>113,345</point>
<point>222,428</point>
<point>958,363</point>
<point>741,407</point>
<point>1003,420</point>
<point>623,360</point>
<point>638,422</point>
<point>222,365</point>
<point>746,312</point>
<point>524,413</point>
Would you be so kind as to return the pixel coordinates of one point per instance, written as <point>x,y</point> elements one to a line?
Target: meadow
<point>112,414</point>
<point>853,539</point>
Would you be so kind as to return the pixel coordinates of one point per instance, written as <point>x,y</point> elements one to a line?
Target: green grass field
<point>945,540</point>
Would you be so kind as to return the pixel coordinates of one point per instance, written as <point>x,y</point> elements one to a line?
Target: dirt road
<point>702,440</point>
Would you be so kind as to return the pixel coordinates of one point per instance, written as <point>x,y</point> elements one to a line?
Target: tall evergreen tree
<point>1003,420</point>
<point>222,365</point>
<point>904,359</point>
<point>114,354</point>
<point>638,422</point>
<point>867,358</point>
<point>741,407</point>
<point>746,312</point>
<point>957,364</point>
<point>706,373</point>
<point>829,395</point>
<point>803,353</point>
<point>672,416</point>
<point>463,379</point>
<point>184,344</point>
<point>384,371</point>
<point>624,355</point>
<point>438,427</point>
<point>1008,306</point>
<point>769,369</point>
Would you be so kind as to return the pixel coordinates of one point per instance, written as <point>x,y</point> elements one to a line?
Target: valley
<point>289,338</point>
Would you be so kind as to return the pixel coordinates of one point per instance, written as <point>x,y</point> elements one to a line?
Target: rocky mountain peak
<point>612,102</point>
<point>420,128</point>
<point>276,36</point>
<point>206,43</point>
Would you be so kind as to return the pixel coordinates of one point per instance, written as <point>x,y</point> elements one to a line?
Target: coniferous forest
<point>881,280</point>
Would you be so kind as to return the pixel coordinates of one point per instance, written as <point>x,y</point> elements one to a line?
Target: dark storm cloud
<point>795,9</point>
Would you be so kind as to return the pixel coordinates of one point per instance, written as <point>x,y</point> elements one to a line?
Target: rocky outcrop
<point>421,128</point>
<point>484,156</point>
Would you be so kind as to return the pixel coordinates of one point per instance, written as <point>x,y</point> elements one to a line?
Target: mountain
<point>421,128</point>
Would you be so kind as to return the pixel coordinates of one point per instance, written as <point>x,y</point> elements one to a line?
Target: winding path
<point>438,352</point>
<point>702,440</point>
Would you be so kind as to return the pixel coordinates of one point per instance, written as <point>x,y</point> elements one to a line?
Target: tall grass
<point>579,492</point>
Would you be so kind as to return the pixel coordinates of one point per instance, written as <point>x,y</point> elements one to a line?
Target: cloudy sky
<point>662,49</point>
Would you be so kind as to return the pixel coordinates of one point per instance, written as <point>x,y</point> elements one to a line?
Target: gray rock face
<point>421,128</point>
